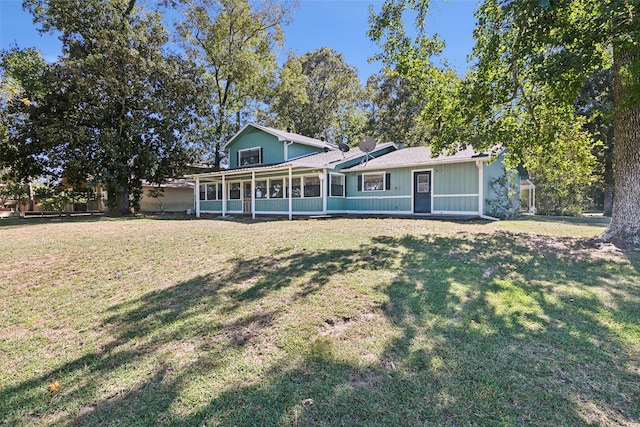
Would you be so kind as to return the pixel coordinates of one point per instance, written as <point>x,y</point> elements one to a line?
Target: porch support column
<point>224,197</point>
<point>290,185</point>
<point>196,195</point>
<point>253,194</point>
<point>480,165</point>
<point>324,191</point>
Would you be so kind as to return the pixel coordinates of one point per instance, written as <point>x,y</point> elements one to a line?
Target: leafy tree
<point>233,41</point>
<point>595,101</point>
<point>319,94</point>
<point>533,57</point>
<point>393,112</point>
<point>21,75</point>
<point>116,107</point>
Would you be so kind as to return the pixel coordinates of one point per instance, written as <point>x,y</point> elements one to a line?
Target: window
<point>424,184</point>
<point>337,185</point>
<point>295,188</point>
<point>252,156</point>
<point>275,189</point>
<point>211,192</point>
<point>373,181</point>
<point>234,191</point>
<point>261,189</point>
<point>311,186</point>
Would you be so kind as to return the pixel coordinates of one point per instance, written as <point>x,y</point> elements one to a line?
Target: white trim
<point>455,195</point>
<point>369,212</point>
<point>224,197</point>
<point>480,166</point>
<point>231,182</point>
<point>249,149</point>
<point>344,187</point>
<point>323,189</point>
<point>197,197</point>
<point>376,197</point>
<point>253,195</point>
<point>353,212</point>
<point>413,193</point>
<point>454,212</point>
<point>429,163</point>
<point>384,181</point>
<point>290,193</point>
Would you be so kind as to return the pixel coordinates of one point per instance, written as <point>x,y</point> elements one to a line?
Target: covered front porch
<point>270,190</point>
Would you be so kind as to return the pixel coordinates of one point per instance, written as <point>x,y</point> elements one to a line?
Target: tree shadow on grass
<point>484,329</point>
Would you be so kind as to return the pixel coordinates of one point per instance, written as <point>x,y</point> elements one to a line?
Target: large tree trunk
<point>609,185</point>
<point>118,204</point>
<point>624,230</point>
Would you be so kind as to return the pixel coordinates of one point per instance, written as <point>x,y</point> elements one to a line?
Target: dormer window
<point>250,156</point>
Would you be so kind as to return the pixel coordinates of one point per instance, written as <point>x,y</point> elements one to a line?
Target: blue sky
<point>339,24</point>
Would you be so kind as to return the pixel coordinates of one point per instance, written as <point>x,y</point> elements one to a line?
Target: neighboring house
<point>177,196</point>
<point>275,172</point>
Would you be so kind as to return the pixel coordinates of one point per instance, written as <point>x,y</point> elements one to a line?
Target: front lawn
<point>317,322</point>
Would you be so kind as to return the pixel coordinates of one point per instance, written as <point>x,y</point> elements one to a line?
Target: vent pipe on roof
<point>322,138</point>
<point>289,129</point>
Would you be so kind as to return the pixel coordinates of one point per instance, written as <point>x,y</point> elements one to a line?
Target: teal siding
<point>457,178</point>
<point>211,205</point>
<point>298,150</point>
<point>455,204</point>
<point>272,205</point>
<point>400,184</point>
<point>307,205</point>
<point>374,205</point>
<point>272,149</point>
<point>234,205</point>
<point>337,204</point>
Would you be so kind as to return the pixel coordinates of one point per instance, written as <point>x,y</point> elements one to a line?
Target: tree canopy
<point>233,41</point>
<point>115,108</point>
<point>319,94</point>
<point>532,59</point>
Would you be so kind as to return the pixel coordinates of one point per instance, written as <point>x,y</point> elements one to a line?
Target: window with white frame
<point>210,191</point>
<point>337,185</point>
<point>234,191</point>
<point>275,188</point>
<point>250,156</point>
<point>261,189</point>
<point>373,181</point>
<point>296,189</point>
<point>311,186</point>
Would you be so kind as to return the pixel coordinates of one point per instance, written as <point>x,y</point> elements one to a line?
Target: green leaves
<point>319,94</point>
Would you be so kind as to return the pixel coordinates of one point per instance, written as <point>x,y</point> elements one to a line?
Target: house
<point>177,196</point>
<point>276,172</point>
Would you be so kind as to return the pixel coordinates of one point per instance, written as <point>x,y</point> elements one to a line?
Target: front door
<point>422,192</point>
<point>246,198</point>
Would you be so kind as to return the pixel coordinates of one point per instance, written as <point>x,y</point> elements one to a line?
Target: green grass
<point>331,322</point>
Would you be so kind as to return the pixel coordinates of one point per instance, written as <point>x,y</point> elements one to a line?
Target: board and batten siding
<point>396,199</point>
<point>296,150</point>
<point>272,149</point>
<point>455,187</point>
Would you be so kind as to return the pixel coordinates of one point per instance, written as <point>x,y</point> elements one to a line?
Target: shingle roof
<point>417,156</point>
<point>331,157</point>
<point>283,135</point>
